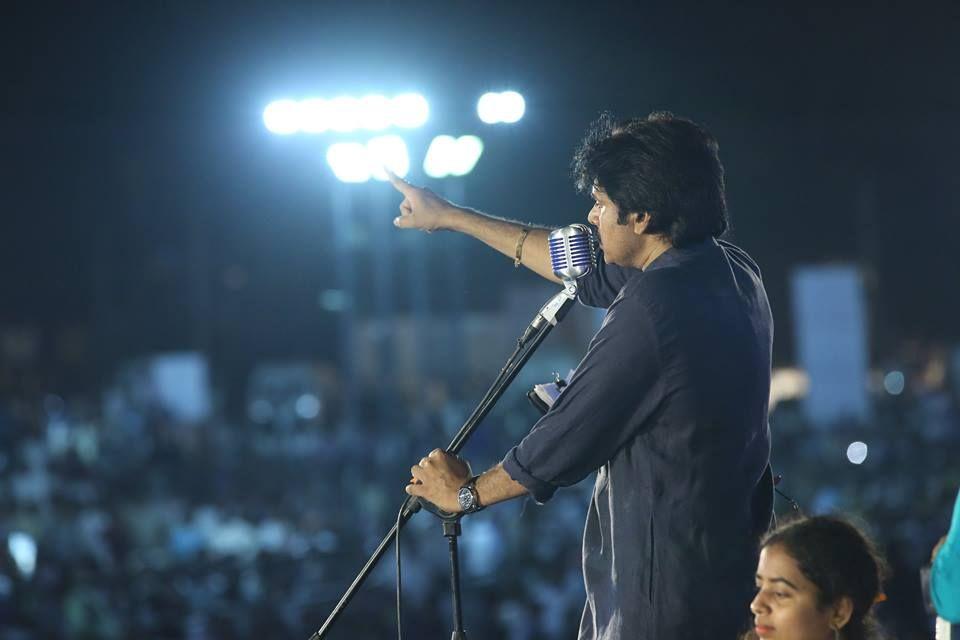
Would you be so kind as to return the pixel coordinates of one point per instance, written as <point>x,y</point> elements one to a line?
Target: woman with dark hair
<point>818,579</point>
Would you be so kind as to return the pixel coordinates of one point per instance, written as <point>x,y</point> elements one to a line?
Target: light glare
<point>452,156</point>
<point>468,151</point>
<point>314,115</point>
<point>349,161</point>
<point>345,114</point>
<point>488,108</point>
<point>374,113</point>
<point>282,117</point>
<point>390,152</point>
<point>410,110</point>
<point>512,106</point>
<point>23,550</point>
<point>435,164</point>
<point>507,107</point>
<point>857,452</point>
<point>356,162</point>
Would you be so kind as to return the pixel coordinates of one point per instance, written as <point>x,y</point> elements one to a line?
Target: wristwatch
<point>468,497</point>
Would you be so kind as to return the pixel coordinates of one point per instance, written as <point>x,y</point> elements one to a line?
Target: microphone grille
<point>573,252</point>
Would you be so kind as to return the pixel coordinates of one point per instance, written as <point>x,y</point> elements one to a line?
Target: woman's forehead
<point>776,563</point>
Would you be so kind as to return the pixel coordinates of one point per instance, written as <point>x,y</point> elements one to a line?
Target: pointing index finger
<point>398,183</point>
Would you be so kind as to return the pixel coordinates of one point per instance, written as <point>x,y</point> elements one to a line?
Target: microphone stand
<point>546,319</point>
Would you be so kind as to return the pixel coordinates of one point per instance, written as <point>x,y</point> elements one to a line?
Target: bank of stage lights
<point>506,107</point>
<point>357,162</point>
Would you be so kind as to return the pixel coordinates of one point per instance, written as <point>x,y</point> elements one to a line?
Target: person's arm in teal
<point>945,574</point>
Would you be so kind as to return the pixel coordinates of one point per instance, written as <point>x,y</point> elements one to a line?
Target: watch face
<point>465,497</point>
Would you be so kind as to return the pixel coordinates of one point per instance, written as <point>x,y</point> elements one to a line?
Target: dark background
<point>146,209</point>
<point>136,161</point>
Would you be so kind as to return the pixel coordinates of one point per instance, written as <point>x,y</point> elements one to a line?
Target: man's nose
<point>593,217</point>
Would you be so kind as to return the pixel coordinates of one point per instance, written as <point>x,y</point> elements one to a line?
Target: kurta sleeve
<point>945,574</point>
<point>613,391</point>
<point>600,287</point>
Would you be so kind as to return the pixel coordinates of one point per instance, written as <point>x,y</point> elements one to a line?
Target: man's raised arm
<point>423,209</point>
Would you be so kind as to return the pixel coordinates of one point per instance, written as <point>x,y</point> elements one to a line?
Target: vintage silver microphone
<point>573,251</point>
<point>573,254</point>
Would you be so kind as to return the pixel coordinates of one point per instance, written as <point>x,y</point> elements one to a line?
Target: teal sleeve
<point>945,574</point>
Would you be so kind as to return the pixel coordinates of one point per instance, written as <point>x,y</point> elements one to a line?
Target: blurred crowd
<point>132,523</point>
<point>139,525</point>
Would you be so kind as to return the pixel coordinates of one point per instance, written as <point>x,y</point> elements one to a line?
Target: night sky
<point>146,206</point>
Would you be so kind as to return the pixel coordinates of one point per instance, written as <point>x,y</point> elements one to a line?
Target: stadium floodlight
<point>345,114</point>
<point>448,156</point>
<point>349,161</point>
<point>487,108</point>
<point>409,110</point>
<point>314,115</point>
<point>468,151</point>
<point>282,117</point>
<point>507,107</point>
<point>436,162</point>
<point>512,107</point>
<point>390,152</point>
<point>374,112</point>
<point>356,162</point>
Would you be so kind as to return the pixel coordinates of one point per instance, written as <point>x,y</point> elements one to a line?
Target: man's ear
<point>640,222</point>
<point>842,611</point>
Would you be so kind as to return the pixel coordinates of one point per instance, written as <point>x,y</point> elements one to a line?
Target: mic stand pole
<point>546,319</point>
<point>451,531</point>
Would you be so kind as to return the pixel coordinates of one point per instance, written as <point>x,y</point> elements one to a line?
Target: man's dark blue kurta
<point>669,405</point>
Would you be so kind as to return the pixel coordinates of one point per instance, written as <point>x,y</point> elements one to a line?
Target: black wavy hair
<point>840,560</point>
<point>661,164</point>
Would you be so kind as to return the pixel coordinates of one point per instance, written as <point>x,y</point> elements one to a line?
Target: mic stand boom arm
<point>546,319</point>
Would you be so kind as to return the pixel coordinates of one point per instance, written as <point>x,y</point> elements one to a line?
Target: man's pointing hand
<point>421,208</point>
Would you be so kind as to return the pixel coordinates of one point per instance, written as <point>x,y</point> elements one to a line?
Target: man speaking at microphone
<point>669,404</point>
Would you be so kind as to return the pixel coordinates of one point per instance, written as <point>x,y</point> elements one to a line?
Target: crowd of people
<point>141,526</point>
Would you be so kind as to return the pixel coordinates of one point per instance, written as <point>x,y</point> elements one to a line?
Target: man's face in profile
<point>620,243</point>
